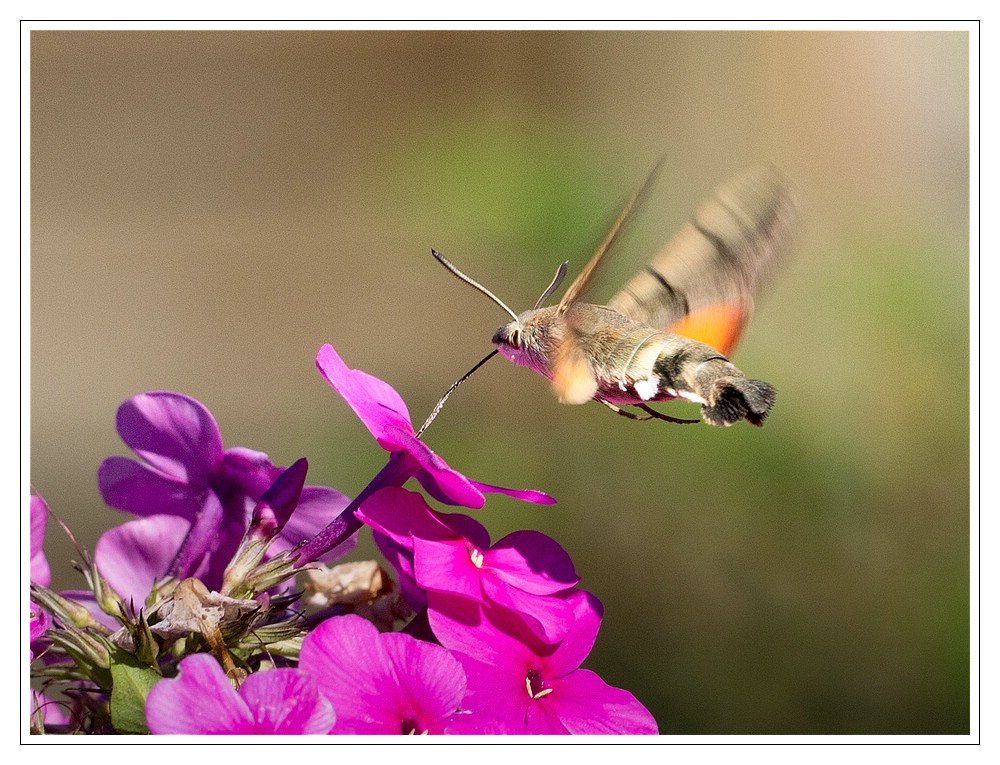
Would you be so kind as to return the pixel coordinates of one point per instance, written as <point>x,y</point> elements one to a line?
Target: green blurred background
<point>208,208</point>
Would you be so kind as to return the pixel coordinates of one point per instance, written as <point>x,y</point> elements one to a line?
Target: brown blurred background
<point>208,208</point>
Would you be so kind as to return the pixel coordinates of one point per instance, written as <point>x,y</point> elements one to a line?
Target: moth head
<point>508,336</point>
<point>513,340</point>
<point>533,340</point>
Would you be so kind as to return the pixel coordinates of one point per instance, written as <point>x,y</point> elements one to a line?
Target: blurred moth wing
<point>572,376</point>
<point>702,284</point>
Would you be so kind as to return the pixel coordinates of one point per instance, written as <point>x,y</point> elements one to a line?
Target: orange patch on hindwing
<point>718,326</point>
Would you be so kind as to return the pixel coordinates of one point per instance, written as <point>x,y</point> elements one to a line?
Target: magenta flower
<point>186,473</point>
<point>40,572</point>
<point>200,700</point>
<point>384,413</point>
<point>518,685</point>
<point>39,621</point>
<point>451,553</point>
<point>134,555</point>
<point>46,712</point>
<point>382,683</point>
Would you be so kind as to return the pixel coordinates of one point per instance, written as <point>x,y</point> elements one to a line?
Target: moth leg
<point>661,416</point>
<point>622,412</point>
<point>651,414</point>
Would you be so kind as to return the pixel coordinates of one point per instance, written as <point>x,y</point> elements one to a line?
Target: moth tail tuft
<point>736,398</point>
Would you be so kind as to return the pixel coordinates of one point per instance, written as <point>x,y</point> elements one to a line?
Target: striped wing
<point>703,282</point>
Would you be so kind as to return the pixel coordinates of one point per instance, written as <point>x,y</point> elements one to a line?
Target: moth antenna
<point>553,285</point>
<point>459,381</point>
<point>472,283</point>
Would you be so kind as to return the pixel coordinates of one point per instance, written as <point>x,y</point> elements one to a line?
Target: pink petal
<point>547,617</point>
<point>174,433</point>
<point>385,415</point>
<point>544,719</point>
<point>400,515</point>
<point>533,562</point>
<point>460,625</point>
<point>446,567</point>
<point>579,640</point>
<point>134,555</point>
<point>440,553</point>
<point>40,571</point>
<point>526,495</point>
<point>381,683</point>
<point>586,704</point>
<point>498,703</point>
<point>451,487</point>
<point>466,526</point>
<point>199,700</point>
<point>375,402</point>
<point>349,664</point>
<point>441,481</point>
<point>286,702</point>
<point>400,559</point>
<point>431,682</point>
<point>139,489</point>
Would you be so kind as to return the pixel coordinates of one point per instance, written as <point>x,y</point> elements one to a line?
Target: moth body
<point>622,362</point>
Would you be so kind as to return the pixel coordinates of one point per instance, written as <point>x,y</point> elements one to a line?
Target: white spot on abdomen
<point>648,388</point>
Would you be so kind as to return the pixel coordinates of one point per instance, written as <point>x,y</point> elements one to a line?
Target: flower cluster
<point>219,610</point>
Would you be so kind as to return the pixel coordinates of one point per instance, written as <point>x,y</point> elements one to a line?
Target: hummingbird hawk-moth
<point>666,334</point>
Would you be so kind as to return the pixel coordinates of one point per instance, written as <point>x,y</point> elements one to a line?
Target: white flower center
<point>532,693</point>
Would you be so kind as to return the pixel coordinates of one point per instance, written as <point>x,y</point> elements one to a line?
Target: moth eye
<point>515,338</point>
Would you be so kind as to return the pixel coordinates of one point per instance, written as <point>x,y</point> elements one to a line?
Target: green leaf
<point>131,681</point>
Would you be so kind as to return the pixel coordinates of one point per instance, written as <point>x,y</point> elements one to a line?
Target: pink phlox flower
<point>40,574</point>
<point>452,553</point>
<point>519,685</point>
<point>382,683</point>
<point>384,413</point>
<point>201,700</point>
<point>185,472</point>
<point>39,621</point>
<point>40,571</point>
<point>45,711</point>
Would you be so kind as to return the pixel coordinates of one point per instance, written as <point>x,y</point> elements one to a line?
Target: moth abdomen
<point>698,373</point>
